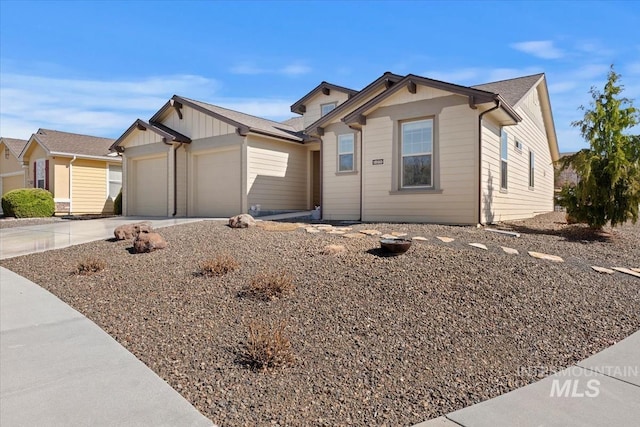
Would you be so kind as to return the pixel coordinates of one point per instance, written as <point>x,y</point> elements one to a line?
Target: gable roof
<point>298,106</point>
<point>71,144</point>
<point>388,79</point>
<point>244,122</point>
<point>512,90</point>
<point>476,96</point>
<point>295,122</point>
<point>15,146</point>
<point>165,132</point>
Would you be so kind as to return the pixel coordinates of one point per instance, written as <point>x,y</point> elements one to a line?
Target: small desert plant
<point>270,285</point>
<point>90,265</point>
<point>333,250</point>
<point>218,266</point>
<point>266,346</point>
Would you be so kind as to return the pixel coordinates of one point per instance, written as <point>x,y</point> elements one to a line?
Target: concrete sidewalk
<point>603,390</point>
<point>19,241</point>
<point>59,368</point>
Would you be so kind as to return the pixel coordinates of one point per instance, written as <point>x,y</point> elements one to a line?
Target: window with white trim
<point>326,108</point>
<point>115,180</point>
<point>532,161</point>
<point>416,168</point>
<point>504,148</point>
<point>346,151</point>
<point>41,173</point>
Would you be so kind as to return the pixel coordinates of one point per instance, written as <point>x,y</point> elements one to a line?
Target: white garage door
<point>217,184</point>
<point>149,185</point>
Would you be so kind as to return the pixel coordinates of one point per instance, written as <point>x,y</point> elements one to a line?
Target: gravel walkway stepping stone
<point>637,270</point>
<point>335,232</point>
<point>548,257</point>
<point>627,271</point>
<point>398,234</point>
<point>445,239</point>
<point>602,269</point>
<point>312,230</point>
<point>389,236</point>
<point>510,251</point>
<point>479,246</point>
<point>420,238</point>
<point>343,228</point>
<point>371,232</point>
<point>354,236</point>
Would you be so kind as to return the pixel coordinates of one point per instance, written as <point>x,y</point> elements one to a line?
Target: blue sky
<point>95,67</point>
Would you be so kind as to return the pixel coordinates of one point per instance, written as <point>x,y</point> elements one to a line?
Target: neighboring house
<point>197,159</point>
<point>80,172</point>
<point>12,174</point>
<point>404,148</point>
<point>565,176</point>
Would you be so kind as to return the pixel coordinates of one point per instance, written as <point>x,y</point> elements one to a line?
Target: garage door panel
<point>150,187</point>
<point>217,184</point>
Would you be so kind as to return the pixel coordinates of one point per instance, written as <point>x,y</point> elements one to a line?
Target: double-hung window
<point>41,174</point>
<point>115,180</point>
<point>346,150</point>
<point>326,108</point>
<point>531,169</point>
<point>504,147</point>
<point>417,154</point>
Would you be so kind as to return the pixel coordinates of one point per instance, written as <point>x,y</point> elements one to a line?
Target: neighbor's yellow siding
<point>518,200</point>
<point>89,187</point>
<point>9,165</point>
<point>37,152</point>
<point>277,174</point>
<point>12,183</point>
<point>13,168</point>
<point>60,176</point>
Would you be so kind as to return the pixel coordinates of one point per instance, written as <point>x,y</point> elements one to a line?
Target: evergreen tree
<point>608,188</point>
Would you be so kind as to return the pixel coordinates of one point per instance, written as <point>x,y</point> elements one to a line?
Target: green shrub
<point>117,204</point>
<point>28,203</point>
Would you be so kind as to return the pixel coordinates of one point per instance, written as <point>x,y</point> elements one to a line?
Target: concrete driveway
<point>19,241</point>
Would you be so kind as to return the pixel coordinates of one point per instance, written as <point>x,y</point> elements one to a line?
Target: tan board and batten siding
<point>313,105</point>
<point>518,200</point>
<point>277,174</point>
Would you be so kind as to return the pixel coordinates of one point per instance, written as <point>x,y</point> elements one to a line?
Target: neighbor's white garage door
<point>216,183</point>
<point>149,185</point>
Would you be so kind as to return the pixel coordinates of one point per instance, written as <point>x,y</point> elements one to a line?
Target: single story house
<point>79,170</point>
<point>196,159</point>
<point>404,148</point>
<point>12,174</point>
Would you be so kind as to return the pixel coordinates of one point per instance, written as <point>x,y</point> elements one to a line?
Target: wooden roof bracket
<point>178,106</point>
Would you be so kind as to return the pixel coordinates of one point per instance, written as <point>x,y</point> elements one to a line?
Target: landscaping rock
<point>242,221</point>
<point>312,230</point>
<point>398,234</point>
<point>445,239</point>
<point>602,269</point>
<point>420,238</point>
<point>548,257</point>
<point>510,251</point>
<point>627,271</point>
<point>130,231</point>
<point>479,246</point>
<point>148,242</point>
<point>371,232</point>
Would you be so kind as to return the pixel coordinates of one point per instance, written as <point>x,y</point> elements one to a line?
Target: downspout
<point>497,101</point>
<point>71,184</point>
<point>175,179</point>
<point>361,171</point>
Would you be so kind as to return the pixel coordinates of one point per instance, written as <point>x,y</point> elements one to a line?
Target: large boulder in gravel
<point>148,242</point>
<point>242,221</point>
<point>130,231</point>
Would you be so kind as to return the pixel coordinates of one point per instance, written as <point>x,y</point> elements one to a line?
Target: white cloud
<point>291,70</point>
<point>541,49</point>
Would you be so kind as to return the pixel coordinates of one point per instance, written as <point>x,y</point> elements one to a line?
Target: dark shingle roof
<point>72,143</point>
<point>15,145</point>
<point>512,90</point>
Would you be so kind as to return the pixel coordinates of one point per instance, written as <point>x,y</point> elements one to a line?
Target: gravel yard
<point>377,340</point>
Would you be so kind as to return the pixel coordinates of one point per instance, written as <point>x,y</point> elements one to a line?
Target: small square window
<point>518,145</point>
<point>327,108</point>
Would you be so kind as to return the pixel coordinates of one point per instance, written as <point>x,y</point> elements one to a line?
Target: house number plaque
<point>377,162</point>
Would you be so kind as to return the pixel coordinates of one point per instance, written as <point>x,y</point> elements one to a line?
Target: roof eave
<point>295,107</point>
<point>86,156</point>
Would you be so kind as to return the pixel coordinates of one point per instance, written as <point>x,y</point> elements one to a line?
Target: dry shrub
<point>270,285</point>
<point>90,266</point>
<point>333,250</point>
<point>218,266</point>
<point>267,346</point>
<point>277,226</point>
